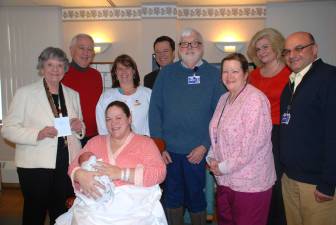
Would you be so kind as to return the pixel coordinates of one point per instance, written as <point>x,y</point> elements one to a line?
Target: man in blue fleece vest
<point>183,100</point>
<point>307,135</point>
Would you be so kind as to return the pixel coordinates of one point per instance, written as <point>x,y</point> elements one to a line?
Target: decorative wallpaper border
<point>164,11</point>
<point>234,12</point>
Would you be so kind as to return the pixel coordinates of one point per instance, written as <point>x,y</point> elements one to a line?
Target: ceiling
<point>124,3</point>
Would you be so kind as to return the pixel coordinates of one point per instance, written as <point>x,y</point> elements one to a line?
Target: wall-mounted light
<point>230,47</point>
<point>101,47</point>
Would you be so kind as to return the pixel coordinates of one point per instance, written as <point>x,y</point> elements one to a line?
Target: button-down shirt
<point>241,142</point>
<point>297,77</point>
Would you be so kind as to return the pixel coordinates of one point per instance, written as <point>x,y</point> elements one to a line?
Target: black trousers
<point>277,212</point>
<point>44,190</point>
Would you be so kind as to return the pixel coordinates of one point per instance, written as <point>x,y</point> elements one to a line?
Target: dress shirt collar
<point>300,74</point>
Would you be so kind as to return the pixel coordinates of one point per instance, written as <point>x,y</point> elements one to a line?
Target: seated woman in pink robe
<point>134,164</point>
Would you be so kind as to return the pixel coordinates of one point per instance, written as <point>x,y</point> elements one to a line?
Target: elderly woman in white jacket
<point>45,122</point>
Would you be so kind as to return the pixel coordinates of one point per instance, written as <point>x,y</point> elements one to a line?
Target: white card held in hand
<point>62,126</point>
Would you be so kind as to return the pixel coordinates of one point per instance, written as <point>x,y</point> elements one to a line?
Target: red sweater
<point>272,87</point>
<point>89,85</point>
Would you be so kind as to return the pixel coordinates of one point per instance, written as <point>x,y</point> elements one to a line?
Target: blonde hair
<point>276,39</point>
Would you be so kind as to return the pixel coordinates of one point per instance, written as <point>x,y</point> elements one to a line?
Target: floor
<point>11,205</point>
<point>11,201</point>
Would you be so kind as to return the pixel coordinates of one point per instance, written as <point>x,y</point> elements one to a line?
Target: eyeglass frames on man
<point>298,49</point>
<point>193,44</point>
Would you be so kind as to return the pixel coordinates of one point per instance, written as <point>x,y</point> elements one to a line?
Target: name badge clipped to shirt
<point>194,79</point>
<point>285,118</point>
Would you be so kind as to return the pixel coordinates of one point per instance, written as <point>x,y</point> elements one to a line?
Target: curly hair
<point>52,53</point>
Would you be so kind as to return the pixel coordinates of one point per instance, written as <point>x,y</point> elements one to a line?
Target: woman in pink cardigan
<point>133,163</point>
<point>241,150</point>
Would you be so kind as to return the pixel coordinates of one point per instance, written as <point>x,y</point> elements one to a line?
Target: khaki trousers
<point>301,207</point>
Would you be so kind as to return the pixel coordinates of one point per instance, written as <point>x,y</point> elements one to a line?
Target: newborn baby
<point>87,161</point>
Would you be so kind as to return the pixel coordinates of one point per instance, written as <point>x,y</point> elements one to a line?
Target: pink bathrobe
<point>138,152</point>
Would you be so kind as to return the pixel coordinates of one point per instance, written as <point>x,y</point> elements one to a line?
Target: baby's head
<point>84,157</point>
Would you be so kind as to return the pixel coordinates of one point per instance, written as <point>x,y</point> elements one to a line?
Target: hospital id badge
<point>194,79</point>
<point>285,118</point>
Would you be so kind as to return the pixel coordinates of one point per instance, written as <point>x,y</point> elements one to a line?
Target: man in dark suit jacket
<point>307,134</point>
<point>164,52</point>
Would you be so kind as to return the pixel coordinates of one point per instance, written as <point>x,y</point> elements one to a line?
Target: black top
<point>150,78</point>
<point>308,141</point>
<point>62,158</point>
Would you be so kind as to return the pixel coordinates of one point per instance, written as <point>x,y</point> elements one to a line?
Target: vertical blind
<point>25,32</point>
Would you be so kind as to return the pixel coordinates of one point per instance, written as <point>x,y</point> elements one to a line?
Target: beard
<point>191,58</point>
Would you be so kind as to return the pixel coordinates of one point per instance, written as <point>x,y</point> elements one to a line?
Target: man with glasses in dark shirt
<point>307,134</point>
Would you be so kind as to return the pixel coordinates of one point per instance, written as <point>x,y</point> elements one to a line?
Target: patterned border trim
<point>238,12</point>
<point>164,11</point>
<point>70,14</point>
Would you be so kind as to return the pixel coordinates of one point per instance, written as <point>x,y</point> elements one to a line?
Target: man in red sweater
<point>85,80</point>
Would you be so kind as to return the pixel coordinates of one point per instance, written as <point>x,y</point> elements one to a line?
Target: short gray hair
<point>52,53</point>
<point>78,36</point>
<point>189,31</point>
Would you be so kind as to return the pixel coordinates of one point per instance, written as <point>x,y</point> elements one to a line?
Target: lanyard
<point>220,117</point>
<point>56,111</point>
<point>291,88</point>
<point>216,133</point>
<point>195,70</point>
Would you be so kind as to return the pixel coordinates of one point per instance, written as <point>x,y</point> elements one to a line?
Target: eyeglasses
<point>193,44</point>
<point>263,48</point>
<point>298,49</point>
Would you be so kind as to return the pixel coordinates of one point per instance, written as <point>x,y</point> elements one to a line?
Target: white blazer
<point>30,112</point>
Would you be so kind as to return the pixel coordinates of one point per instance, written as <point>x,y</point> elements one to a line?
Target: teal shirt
<point>179,112</point>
